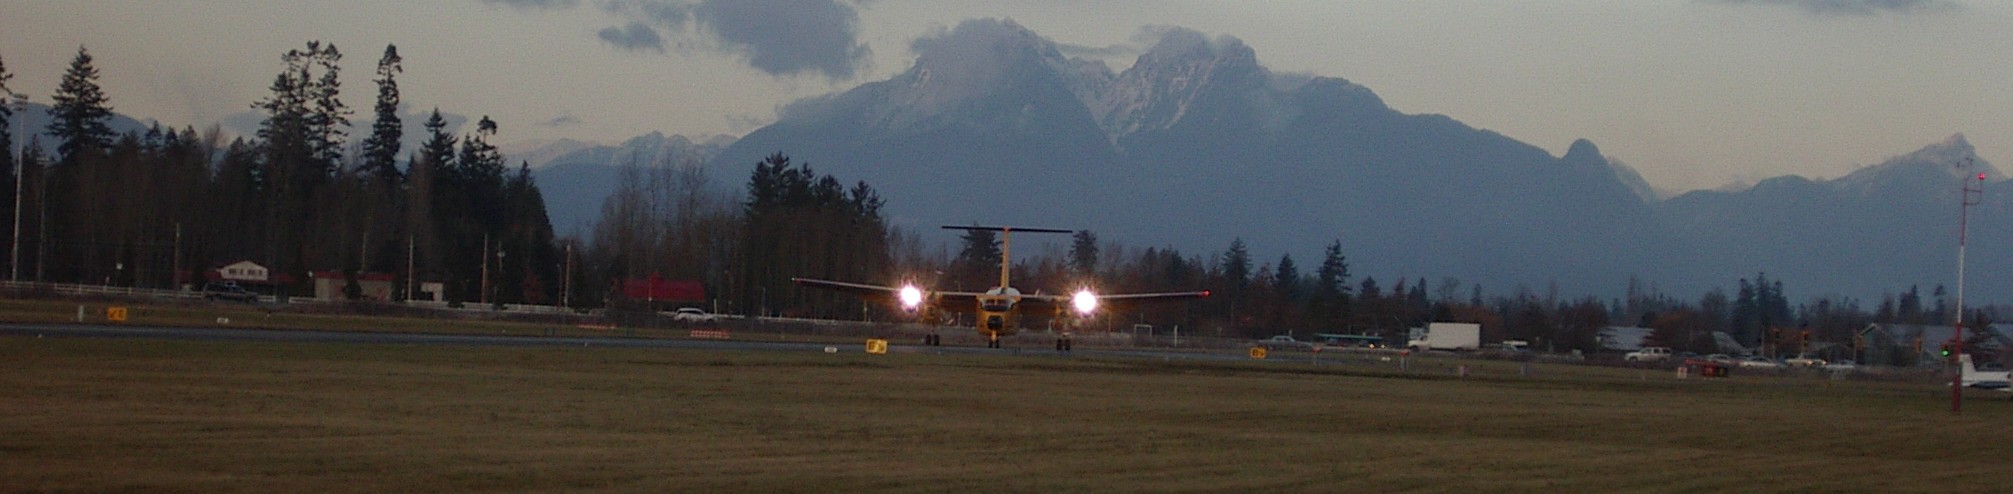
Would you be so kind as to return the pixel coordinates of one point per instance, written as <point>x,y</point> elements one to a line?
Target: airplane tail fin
<point>1987,379</point>
<point>1006,244</point>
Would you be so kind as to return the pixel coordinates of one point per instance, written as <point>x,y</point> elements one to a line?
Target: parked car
<point>1648,354</point>
<point>1804,361</point>
<point>1759,363</point>
<point>228,291</point>
<point>1841,365</point>
<point>1721,358</point>
<point>693,314</point>
<point>1284,341</point>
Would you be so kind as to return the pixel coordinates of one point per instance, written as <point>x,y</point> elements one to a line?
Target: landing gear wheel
<point>1063,345</point>
<point>993,341</point>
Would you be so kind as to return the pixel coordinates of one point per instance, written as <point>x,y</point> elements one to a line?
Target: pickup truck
<point>1648,354</point>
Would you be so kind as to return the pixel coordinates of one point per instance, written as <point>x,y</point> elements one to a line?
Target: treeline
<point>156,209</point>
<point>152,209</point>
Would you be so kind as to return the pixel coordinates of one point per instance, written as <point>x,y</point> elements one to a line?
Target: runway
<point>396,338</point>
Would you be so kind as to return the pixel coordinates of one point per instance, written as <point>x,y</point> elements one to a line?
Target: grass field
<point>142,415</point>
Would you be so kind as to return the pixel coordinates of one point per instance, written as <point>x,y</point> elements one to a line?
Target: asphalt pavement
<point>397,338</point>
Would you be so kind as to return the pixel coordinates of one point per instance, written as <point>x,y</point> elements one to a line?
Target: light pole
<point>1970,196</point>
<point>20,176</point>
<point>496,297</point>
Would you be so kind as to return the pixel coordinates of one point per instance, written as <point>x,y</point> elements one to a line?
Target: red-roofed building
<point>656,289</point>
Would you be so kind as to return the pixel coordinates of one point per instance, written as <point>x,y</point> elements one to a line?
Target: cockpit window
<point>996,305</point>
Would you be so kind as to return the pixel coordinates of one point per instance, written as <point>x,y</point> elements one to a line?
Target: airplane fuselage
<point>996,314</point>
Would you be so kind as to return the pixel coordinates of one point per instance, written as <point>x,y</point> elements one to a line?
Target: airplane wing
<point>946,301</point>
<point>967,302</point>
<point>1118,302</point>
<point>858,289</point>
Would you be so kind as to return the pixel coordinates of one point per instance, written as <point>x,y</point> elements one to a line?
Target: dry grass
<point>113,415</point>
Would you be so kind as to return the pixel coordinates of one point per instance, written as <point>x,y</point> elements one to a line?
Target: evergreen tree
<point>1910,311</point>
<point>1235,275</point>
<point>8,165</point>
<point>328,116</point>
<point>480,165</point>
<point>980,257</point>
<point>78,119</point>
<point>1329,303</point>
<point>305,116</point>
<point>800,224</point>
<point>426,186</point>
<point>1237,268</point>
<point>6,123</point>
<point>302,141</point>
<point>527,272</point>
<point>438,150</point>
<point>381,148</point>
<point>1746,315</point>
<point>1083,253</point>
<point>1286,279</point>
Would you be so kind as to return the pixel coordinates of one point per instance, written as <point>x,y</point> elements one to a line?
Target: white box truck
<point>1448,336</point>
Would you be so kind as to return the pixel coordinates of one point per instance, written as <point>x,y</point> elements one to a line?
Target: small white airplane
<point>999,308</point>
<point>1994,377</point>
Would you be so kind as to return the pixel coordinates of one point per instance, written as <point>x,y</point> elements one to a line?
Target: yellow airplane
<point>999,308</point>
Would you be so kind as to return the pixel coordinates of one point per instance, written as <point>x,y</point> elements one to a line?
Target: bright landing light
<point>912,297</point>
<point>1085,302</point>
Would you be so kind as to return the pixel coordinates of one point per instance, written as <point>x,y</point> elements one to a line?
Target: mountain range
<point>1197,144</point>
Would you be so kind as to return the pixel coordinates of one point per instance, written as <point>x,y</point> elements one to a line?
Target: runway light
<point>1085,302</point>
<point>912,297</point>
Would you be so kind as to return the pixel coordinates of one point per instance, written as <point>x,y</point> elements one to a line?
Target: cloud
<point>1853,7</point>
<point>535,4</point>
<point>789,37</point>
<point>566,120</point>
<point>636,36</point>
<point>669,14</point>
<point>777,37</point>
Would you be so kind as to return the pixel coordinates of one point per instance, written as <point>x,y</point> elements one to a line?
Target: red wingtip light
<point>1981,176</point>
<point>1205,293</point>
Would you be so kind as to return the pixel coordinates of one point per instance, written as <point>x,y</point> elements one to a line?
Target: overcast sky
<point>1693,93</point>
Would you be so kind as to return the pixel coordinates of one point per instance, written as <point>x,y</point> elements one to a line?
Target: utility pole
<point>485,269</point>
<point>20,177</point>
<point>175,274</point>
<point>408,267</point>
<point>1969,197</point>
<point>566,292</point>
